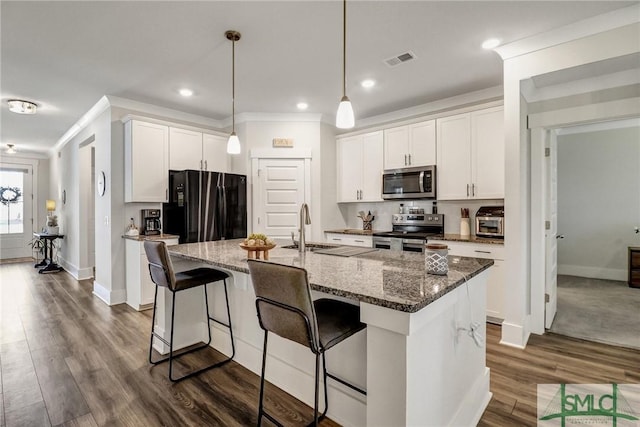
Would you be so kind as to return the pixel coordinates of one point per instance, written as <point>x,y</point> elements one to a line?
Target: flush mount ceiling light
<point>21,106</point>
<point>233,145</point>
<point>490,44</point>
<point>302,105</point>
<point>344,116</point>
<point>185,92</point>
<point>368,83</point>
<point>11,149</point>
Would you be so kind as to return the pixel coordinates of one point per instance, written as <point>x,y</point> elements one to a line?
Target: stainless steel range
<point>410,232</point>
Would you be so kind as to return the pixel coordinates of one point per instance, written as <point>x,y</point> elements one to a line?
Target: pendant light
<point>344,117</point>
<point>233,145</point>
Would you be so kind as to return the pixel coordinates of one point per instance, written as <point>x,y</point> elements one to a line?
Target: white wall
<point>598,201</point>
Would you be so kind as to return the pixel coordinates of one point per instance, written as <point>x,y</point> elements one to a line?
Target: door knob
<point>636,229</point>
<point>560,236</point>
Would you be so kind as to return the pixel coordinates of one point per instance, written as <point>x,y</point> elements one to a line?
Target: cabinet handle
<point>473,190</point>
<point>409,159</point>
<point>483,252</point>
<point>405,160</point>
<point>359,241</point>
<point>467,190</point>
<point>166,194</point>
<point>206,166</point>
<point>336,239</point>
<point>200,164</point>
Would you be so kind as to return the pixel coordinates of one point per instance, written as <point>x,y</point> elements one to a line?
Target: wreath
<point>9,195</point>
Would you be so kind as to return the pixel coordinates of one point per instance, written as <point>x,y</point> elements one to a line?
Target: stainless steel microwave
<point>409,183</point>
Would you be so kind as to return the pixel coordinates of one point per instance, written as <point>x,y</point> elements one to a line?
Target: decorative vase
<point>53,230</point>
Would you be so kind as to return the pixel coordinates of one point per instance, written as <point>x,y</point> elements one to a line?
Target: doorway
<point>87,192</point>
<point>598,205</point>
<point>16,210</point>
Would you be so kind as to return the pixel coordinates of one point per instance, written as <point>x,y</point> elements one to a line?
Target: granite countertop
<point>142,238</point>
<point>352,231</point>
<point>471,239</point>
<point>396,280</point>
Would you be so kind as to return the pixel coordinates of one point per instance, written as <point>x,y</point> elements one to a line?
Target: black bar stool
<point>163,275</point>
<point>285,308</point>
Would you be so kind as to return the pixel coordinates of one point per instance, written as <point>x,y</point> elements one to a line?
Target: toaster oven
<point>490,221</point>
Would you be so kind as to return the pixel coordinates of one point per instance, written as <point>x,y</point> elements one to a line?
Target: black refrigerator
<point>205,206</point>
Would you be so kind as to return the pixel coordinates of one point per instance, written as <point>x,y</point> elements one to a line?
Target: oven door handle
<point>421,184</point>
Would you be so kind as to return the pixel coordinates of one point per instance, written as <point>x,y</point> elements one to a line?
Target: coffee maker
<point>150,222</point>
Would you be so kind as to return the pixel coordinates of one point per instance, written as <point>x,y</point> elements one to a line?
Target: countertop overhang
<point>395,280</point>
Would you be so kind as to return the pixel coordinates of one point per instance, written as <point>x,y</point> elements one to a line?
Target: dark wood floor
<point>68,359</point>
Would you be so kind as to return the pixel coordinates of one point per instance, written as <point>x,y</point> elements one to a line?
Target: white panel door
<point>185,149</point>
<point>551,235</point>
<point>349,169</point>
<point>396,147</point>
<point>423,143</point>
<point>279,193</point>
<point>454,154</point>
<point>214,153</point>
<point>371,188</point>
<point>16,219</point>
<point>487,153</point>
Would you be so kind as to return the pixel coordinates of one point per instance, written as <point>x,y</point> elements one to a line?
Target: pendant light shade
<point>344,117</point>
<point>233,144</point>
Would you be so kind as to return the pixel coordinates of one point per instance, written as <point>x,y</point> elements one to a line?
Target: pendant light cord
<point>233,85</point>
<point>344,48</point>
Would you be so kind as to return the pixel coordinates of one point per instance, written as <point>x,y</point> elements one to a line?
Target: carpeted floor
<point>605,311</point>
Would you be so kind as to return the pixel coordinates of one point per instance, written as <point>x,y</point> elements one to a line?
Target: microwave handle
<point>422,181</point>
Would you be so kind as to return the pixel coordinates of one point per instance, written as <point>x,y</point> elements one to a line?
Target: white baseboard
<point>109,297</point>
<point>68,267</point>
<point>85,273</point>
<point>478,396</point>
<point>593,272</point>
<point>513,335</point>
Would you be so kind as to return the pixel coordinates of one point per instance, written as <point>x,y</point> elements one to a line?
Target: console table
<point>47,261</point>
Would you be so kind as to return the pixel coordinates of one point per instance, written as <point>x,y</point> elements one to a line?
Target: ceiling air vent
<point>403,57</point>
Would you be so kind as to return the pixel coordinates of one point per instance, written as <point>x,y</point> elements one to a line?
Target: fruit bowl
<point>256,252</point>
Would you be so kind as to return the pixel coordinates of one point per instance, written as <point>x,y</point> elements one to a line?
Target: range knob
<point>435,218</point>
<point>430,218</point>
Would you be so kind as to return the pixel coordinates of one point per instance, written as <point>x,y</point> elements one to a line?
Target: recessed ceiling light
<point>368,83</point>
<point>302,105</point>
<point>490,44</point>
<point>21,106</point>
<point>11,149</point>
<point>186,92</point>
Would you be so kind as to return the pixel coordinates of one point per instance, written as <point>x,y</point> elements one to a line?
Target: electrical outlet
<point>106,220</point>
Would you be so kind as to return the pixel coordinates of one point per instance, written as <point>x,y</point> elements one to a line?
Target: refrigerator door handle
<point>224,209</point>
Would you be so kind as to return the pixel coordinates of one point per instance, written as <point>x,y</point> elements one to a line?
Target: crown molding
<point>162,112</point>
<point>98,108</point>
<point>273,117</point>
<point>587,27</point>
<point>601,126</point>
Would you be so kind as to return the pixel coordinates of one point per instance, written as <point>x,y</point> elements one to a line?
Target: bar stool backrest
<point>283,302</point>
<point>160,265</point>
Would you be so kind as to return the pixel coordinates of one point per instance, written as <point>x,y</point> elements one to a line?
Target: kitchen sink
<point>311,247</point>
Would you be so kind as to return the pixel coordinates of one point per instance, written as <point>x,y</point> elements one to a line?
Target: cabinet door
<point>454,154</point>
<point>185,149</point>
<point>422,138</point>
<point>372,167</point>
<point>487,153</point>
<point>146,162</point>
<point>214,153</point>
<point>147,287</point>
<point>396,147</point>
<point>349,152</point>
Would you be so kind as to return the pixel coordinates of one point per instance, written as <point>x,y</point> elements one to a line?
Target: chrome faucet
<point>305,219</point>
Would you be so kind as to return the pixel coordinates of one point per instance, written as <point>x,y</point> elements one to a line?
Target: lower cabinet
<point>140,288</point>
<point>349,239</point>
<point>496,280</point>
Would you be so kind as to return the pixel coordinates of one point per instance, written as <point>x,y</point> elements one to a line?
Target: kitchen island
<point>416,359</point>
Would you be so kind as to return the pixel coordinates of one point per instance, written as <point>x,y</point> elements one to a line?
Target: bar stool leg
<point>173,315</point>
<point>264,361</point>
<point>153,325</point>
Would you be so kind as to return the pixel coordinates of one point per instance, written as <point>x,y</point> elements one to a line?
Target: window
<point>11,201</point>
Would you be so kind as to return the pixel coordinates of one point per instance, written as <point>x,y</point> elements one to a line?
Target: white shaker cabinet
<point>140,288</point>
<point>195,150</point>
<point>185,149</point>
<point>410,145</point>
<point>470,155</point>
<point>349,239</point>
<point>496,280</point>
<point>214,153</point>
<point>146,162</point>
<point>359,160</point>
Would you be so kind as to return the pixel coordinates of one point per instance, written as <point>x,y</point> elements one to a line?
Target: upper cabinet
<point>146,162</point>
<point>470,155</point>
<point>410,145</point>
<point>360,168</point>
<point>194,150</point>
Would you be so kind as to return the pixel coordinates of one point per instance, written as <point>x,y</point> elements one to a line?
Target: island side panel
<point>422,370</point>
